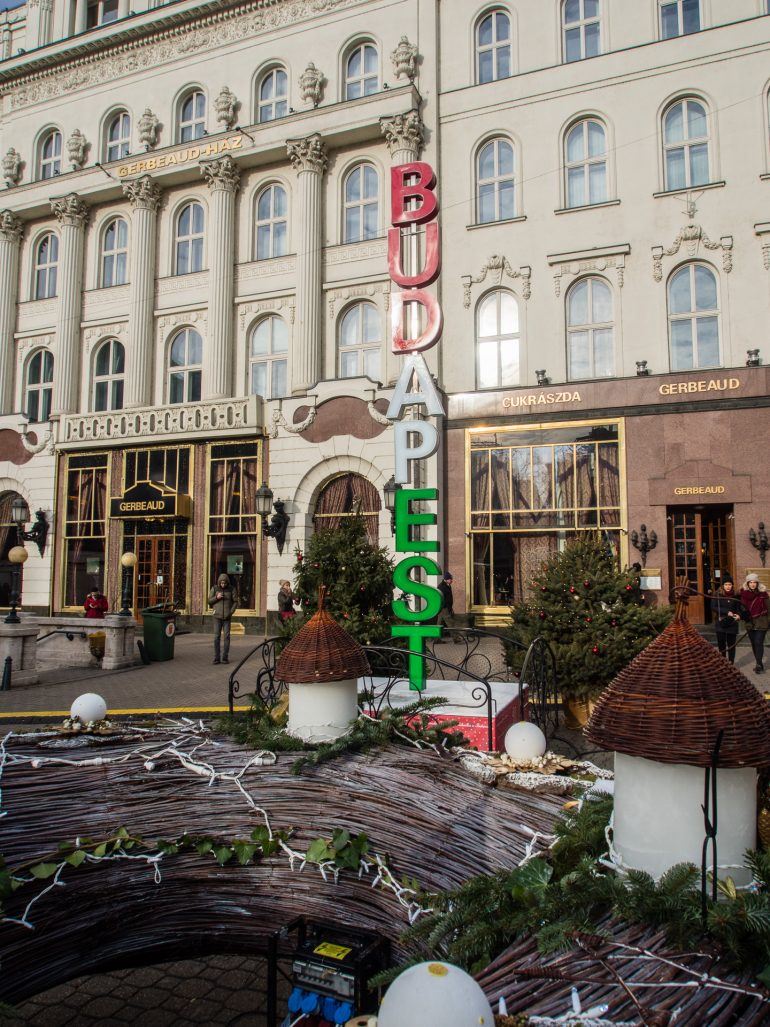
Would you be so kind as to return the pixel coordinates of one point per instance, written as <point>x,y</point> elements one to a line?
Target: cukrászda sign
<point>413,202</point>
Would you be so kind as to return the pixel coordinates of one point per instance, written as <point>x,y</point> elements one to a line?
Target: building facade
<point>195,298</point>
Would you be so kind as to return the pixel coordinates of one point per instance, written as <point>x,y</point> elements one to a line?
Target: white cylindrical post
<point>11,229</point>
<point>320,711</point>
<point>308,157</point>
<point>223,179</point>
<point>145,200</point>
<point>73,216</point>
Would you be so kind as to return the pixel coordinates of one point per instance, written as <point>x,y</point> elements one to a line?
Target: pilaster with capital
<point>223,179</point>
<point>72,214</point>
<point>144,196</point>
<point>11,230</point>
<point>309,159</point>
<point>404,134</point>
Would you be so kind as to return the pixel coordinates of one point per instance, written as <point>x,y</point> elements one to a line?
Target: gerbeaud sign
<point>414,202</point>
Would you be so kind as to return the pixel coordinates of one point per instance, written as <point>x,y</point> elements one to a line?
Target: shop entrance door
<point>700,548</point>
<point>154,582</point>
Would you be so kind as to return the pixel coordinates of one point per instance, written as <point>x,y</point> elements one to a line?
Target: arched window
<point>46,266</point>
<point>109,368</point>
<point>693,318</point>
<point>679,17</point>
<point>39,386</point>
<point>361,204</point>
<point>360,340</point>
<point>273,95</point>
<point>118,137</point>
<point>49,163</point>
<point>585,163</point>
<point>590,347</point>
<point>267,358</point>
<point>361,72</point>
<point>497,341</point>
<point>494,182</point>
<point>114,253</point>
<point>188,247</point>
<point>493,47</point>
<point>192,116</point>
<point>582,29</point>
<point>184,367</point>
<point>271,236</point>
<point>348,495</point>
<point>686,144</point>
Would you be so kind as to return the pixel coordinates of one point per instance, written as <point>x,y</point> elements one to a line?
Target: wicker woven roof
<point>321,651</point>
<point>670,703</point>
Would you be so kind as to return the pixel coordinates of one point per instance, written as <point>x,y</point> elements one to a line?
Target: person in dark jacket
<point>286,601</point>
<point>446,614</point>
<point>96,605</point>
<point>223,599</point>
<point>728,612</point>
<point>754,598</point>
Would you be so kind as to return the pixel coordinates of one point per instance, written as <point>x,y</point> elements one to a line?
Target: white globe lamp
<point>524,741</point>
<point>89,707</point>
<point>452,996</point>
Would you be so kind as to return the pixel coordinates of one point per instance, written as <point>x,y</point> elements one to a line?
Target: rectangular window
<point>531,489</point>
<point>233,526</point>
<point>85,527</point>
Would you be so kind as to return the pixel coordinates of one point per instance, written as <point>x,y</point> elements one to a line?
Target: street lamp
<point>278,522</point>
<point>389,491</point>
<point>17,556</point>
<point>19,515</point>
<point>127,562</point>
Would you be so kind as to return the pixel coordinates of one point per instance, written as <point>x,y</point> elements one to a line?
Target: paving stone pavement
<point>219,990</point>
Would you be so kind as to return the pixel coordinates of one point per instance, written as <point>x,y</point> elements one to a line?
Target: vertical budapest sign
<point>413,202</point>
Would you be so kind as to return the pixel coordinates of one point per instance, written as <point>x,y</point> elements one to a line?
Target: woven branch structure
<point>670,703</point>
<point>321,651</point>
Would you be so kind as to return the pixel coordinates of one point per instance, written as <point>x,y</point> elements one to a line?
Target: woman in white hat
<point>754,599</point>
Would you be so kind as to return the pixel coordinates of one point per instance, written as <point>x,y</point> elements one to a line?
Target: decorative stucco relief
<point>368,292</point>
<point>497,267</point>
<point>574,268</point>
<point>281,305</point>
<point>692,236</point>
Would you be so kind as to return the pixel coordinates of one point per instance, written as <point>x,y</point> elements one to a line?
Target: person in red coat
<point>96,605</point>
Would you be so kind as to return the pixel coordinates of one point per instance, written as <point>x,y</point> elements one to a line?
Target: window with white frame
<point>582,29</point>
<point>679,18</point>
<point>184,367</point>
<point>495,198</point>
<point>101,12</point>
<point>361,71</point>
<point>493,47</point>
<point>39,386</point>
<point>590,328</point>
<point>192,117</point>
<point>497,340</point>
<point>115,254</point>
<point>109,369</point>
<point>686,144</point>
<point>693,318</point>
<point>585,163</point>
<point>361,204</point>
<point>360,342</point>
<point>188,246</point>
<point>268,363</point>
<point>46,266</point>
<point>273,95</point>
<point>49,164</point>
<point>271,238</point>
<point>118,141</point>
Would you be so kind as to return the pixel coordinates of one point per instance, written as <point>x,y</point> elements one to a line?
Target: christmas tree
<point>592,614</point>
<point>357,575</point>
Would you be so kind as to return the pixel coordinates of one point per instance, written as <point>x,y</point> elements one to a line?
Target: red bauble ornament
<point>572,589</point>
<point>300,557</point>
<point>587,584</point>
<point>543,589</point>
<point>614,623</point>
<point>588,620</point>
<point>595,650</point>
<point>541,615</point>
<point>628,588</point>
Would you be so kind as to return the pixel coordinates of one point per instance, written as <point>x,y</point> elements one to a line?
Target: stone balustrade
<point>228,416</point>
<point>64,642</point>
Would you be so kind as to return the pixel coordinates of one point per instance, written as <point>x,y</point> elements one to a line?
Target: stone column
<point>73,216</point>
<point>404,136</point>
<point>123,8</point>
<point>11,230</point>
<point>81,14</point>
<point>145,196</point>
<point>308,157</point>
<point>223,179</point>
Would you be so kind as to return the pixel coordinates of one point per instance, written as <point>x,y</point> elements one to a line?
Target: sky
<point>6,5</point>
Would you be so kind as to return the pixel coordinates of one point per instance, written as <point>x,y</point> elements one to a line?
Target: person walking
<point>728,613</point>
<point>754,598</point>
<point>223,599</point>
<point>446,613</point>
<point>286,601</point>
<point>96,605</point>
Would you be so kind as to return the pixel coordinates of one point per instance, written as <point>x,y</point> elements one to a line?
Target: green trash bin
<point>159,632</point>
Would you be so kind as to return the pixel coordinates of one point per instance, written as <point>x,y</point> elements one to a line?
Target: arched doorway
<point>345,496</point>
<point>8,539</point>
